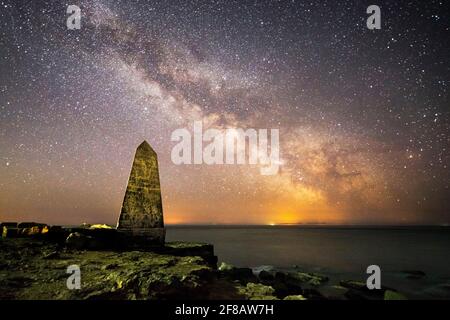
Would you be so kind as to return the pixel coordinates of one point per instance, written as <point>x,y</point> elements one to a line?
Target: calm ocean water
<point>344,252</point>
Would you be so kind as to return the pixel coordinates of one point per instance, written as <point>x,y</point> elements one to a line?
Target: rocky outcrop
<point>185,249</point>
<point>359,291</point>
<point>257,291</point>
<point>241,275</point>
<point>23,229</point>
<point>36,269</point>
<point>273,284</point>
<point>104,238</point>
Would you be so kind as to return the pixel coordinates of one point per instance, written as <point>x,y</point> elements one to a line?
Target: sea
<point>341,252</point>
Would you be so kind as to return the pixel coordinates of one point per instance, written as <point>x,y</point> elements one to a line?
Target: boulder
<point>334,292</point>
<point>225,266</point>
<point>285,285</point>
<point>91,240</point>
<point>267,268</point>
<point>266,276</point>
<point>183,249</point>
<point>312,279</point>
<point>78,241</point>
<point>355,285</point>
<point>359,291</point>
<point>313,294</point>
<point>242,275</point>
<point>31,231</point>
<point>257,291</point>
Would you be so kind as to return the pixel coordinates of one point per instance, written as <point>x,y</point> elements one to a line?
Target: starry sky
<point>363,115</point>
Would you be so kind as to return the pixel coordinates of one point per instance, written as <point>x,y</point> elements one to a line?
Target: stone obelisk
<point>141,217</point>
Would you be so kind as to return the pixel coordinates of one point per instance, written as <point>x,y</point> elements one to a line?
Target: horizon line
<point>312,224</point>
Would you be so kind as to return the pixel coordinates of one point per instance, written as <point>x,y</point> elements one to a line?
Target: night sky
<point>363,114</point>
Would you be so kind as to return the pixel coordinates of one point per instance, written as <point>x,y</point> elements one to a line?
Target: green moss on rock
<point>37,270</point>
<point>295,297</point>
<point>257,291</point>
<point>392,295</point>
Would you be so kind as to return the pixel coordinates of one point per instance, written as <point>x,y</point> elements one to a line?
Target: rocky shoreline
<point>34,261</point>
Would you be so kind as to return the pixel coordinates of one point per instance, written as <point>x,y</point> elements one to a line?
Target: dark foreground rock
<point>241,275</point>
<point>358,291</point>
<point>37,269</point>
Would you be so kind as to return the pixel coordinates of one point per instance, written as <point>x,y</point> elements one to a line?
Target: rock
<point>225,267</point>
<point>267,268</point>
<point>106,274</point>
<point>356,285</point>
<point>266,276</point>
<point>293,283</point>
<point>183,249</point>
<point>256,291</point>
<point>99,239</point>
<point>150,276</point>
<point>31,231</point>
<point>243,275</point>
<point>359,291</point>
<point>78,241</point>
<point>10,232</point>
<point>285,285</point>
<point>313,294</point>
<point>362,286</point>
<point>312,279</point>
<point>295,297</point>
<point>288,279</point>
<point>334,292</point>
<point>24,225</point>
<point>392,295</point>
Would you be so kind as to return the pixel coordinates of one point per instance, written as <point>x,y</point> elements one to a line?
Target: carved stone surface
<point>142,213</point>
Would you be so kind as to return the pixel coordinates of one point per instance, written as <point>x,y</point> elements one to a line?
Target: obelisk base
<point>143,237</point>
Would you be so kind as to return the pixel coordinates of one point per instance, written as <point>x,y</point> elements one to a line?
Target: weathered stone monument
<point>141,217</point>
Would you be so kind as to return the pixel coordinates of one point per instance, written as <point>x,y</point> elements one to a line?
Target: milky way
<point>363,114</point>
